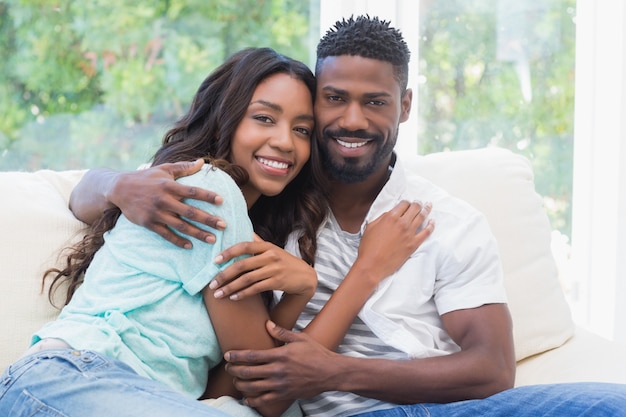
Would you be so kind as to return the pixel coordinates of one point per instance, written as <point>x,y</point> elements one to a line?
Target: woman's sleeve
<point>196,266</point>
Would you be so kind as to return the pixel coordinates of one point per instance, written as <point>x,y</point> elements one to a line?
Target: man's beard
<point>347,169</point>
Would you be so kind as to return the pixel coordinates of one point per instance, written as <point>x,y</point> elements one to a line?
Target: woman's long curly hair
<point>206,131</point>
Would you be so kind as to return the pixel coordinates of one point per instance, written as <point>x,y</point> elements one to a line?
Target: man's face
<point>358,108</point>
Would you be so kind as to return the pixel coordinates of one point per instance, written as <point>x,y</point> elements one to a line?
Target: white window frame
<point>599,193</point>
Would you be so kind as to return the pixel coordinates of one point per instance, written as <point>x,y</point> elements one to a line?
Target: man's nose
<point>353,117</point>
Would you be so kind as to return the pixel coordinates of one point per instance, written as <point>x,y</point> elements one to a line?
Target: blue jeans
<point>584,399</point>
<point>70,383</point>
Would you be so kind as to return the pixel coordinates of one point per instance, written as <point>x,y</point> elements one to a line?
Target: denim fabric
<point>71,383</point>
<point>584,399</point>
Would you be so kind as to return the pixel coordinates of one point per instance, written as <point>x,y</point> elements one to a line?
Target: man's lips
<point>351,145</point>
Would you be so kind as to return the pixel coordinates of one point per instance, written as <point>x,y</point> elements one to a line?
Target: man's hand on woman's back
<point>149,197</point>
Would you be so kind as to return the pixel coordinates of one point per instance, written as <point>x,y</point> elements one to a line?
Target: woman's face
<point>273,140</point>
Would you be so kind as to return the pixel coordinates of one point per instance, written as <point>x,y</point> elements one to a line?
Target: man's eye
<point>334,98</point>
<point>376,103</point>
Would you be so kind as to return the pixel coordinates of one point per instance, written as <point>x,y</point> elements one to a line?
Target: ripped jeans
<point>71,383</point>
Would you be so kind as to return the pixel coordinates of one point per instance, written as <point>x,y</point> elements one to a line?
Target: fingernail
<point>218,294</point>
<point>213,284</point>
<point>210,239</point>
<point>187,246</point>
<point>221,224</point>
<point>218,259</point>
<point>234,297</point>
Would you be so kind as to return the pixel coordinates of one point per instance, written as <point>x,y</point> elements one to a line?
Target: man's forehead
<point>346,71</point>
<point>351,60</point>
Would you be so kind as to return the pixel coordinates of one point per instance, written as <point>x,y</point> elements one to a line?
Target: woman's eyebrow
<point>269,104</point>
<point>279,109</point>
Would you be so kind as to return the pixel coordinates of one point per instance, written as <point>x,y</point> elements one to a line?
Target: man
<point>437,332</point>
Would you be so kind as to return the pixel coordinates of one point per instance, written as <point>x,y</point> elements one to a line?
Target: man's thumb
<point>184,168</point>
<point>280,333</point>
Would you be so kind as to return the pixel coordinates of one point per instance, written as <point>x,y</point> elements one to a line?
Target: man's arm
<point>150,198</point>
<point>303,368</point>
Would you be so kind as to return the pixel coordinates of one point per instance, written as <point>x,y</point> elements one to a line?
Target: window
<point>97,83</point>
<point>546,79</point>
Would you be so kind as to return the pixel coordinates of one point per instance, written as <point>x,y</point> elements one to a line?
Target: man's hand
<point>268,268</point>
<point>153,199</point>
<point>288,372</point>
<point>150,198</point>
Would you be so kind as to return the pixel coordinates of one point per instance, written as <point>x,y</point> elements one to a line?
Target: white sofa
<point>36,223</point>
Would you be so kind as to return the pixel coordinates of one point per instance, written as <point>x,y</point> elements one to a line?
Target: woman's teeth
<point>273,164</point>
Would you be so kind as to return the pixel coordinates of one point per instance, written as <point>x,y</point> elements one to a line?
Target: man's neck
<point>351,202</point>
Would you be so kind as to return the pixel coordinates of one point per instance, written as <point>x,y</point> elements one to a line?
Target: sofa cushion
<point>585,357</point>
<point>36,224</point>
<point>500,183</point>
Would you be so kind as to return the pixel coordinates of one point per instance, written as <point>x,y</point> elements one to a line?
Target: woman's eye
<point>264,119</point>
<point>303,131</point>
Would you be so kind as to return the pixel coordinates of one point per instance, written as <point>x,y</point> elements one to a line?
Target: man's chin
<point>348,173</point>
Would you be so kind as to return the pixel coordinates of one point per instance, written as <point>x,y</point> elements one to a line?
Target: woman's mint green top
<point>141,301</point>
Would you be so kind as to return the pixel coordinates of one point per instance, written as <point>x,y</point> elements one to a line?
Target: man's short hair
<point>367,37</point>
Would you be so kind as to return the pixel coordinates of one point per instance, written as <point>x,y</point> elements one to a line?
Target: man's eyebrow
<point>332,89</point>
<point>340,92</point>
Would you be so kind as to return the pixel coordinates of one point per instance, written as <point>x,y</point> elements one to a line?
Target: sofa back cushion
<point>500,184</point>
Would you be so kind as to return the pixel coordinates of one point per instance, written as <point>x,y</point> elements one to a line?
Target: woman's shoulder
<point>214,179</point>
<point>209,177</point>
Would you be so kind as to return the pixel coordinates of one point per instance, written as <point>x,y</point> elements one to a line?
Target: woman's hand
<point>268,268</point>
<point>390,240</point>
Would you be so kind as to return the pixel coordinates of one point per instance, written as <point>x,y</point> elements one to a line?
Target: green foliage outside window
<point>502,73</point>
<point>97,83</point>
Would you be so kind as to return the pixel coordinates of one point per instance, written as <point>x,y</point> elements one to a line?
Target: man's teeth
<point>350,144</point>
<point>274,164</point>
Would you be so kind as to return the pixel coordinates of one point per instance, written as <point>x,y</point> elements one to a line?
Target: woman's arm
<point>387,243</point>
<point>271,268</point>
<point>239,325</point>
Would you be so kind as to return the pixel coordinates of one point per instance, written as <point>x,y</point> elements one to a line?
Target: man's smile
<point>351,144</point>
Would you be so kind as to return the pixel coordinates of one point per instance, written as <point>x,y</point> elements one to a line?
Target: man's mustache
<point>357,134</point>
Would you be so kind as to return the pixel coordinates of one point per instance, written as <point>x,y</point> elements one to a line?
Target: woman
<point>135,337</point>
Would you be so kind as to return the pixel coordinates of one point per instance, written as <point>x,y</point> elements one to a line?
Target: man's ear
<point>405,105</point>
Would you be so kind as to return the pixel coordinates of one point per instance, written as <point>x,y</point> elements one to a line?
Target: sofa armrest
<point>36,224</point>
